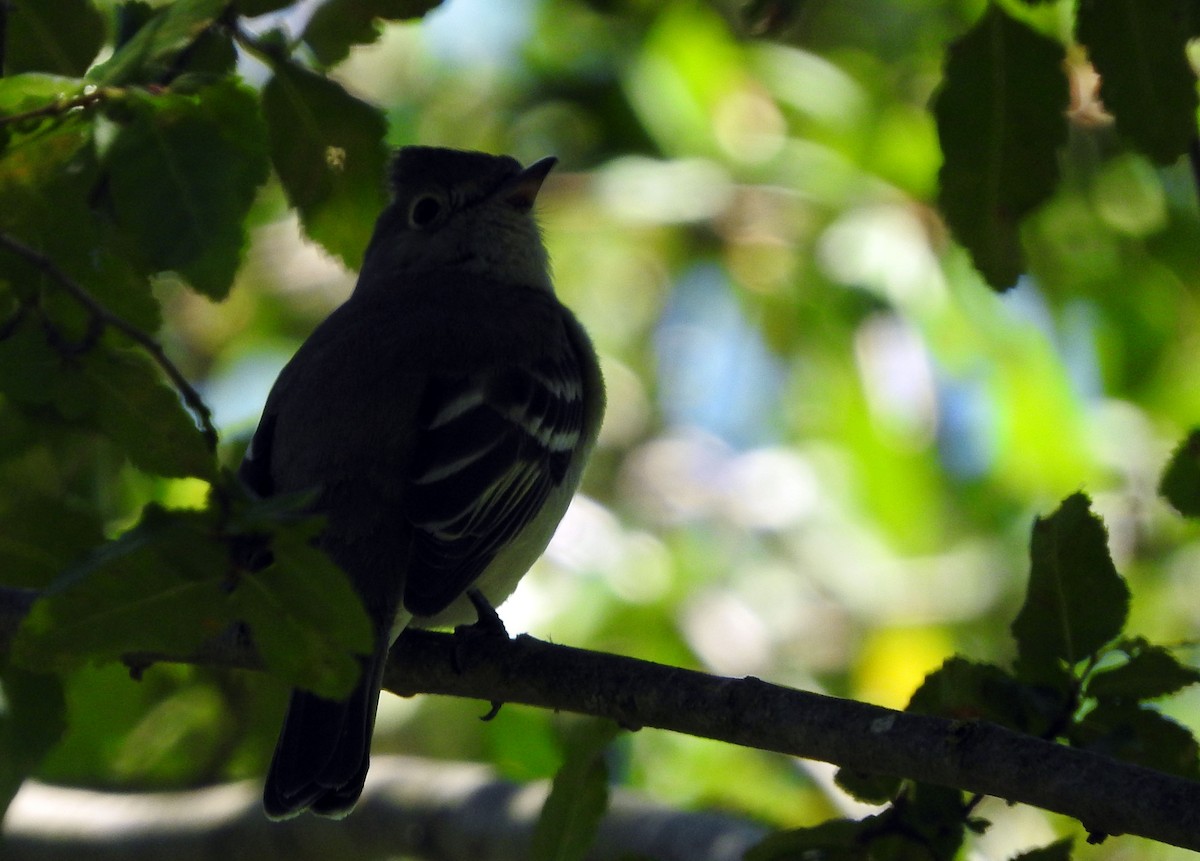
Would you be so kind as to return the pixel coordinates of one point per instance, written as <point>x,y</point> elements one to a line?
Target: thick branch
<point>1106,795</point>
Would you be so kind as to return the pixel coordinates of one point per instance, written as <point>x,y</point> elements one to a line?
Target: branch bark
<point>1106,795</point>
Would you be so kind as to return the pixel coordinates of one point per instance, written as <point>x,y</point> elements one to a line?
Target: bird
<point>441,418</point>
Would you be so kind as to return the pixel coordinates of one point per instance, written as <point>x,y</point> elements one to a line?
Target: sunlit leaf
<point>1075,602</point>
<point>1139,47</point>
<point>1000,119</point>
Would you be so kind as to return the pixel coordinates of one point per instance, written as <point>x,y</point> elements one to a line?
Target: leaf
<point>21,93</point>
<point>142,415</point>
<point>868,787</point>
<point>40,536</point>
<point>306,618</point>
<point>1139,47</point>
<point>328,150</point>
<point>32,720</point>
<point>29,367</point>
<point>58,36</point>
<point>1180,484</point>
<point>161,587</point>
<point>1059,850</point>
<point>47,179</point>
<point>152,55</point>
<point>1076,601</point>
<point>578,798</point>
<point>1139,735</point>
<point>183,172</point>
<point>1000,118</point>
<point>339,24</point>
<point>1150,672</point>
<point>930,822</point>
<point>964,690</point>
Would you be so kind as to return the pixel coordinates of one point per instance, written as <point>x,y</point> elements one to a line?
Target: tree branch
<point>107,318</point>
<point>1108,796</point>
<point>439,811</point>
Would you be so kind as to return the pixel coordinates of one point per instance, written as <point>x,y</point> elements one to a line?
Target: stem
<point>107,318</point>
<point>61,106</point>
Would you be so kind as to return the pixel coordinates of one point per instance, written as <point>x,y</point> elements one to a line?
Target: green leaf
<point>41,536</point>
<point>153,55</point>
<point>307,621</point>
<point>1060,850</point>
<point>578,798</point>
<point>1139,47</point>
<point>59,36</point>
<point>29,367</point>
<point>1000,118</point>
<point>1076,601</point>
<point>183,173</point>
<point>1139,735</point>
<point>117,392</point>
<point>21,93</point>
<point>328,150</point>
<point>930,822</point>
<point>32,720</point>
<point>1180,483</point>
<point>868,787</point>
<point>339,24</point>
<point>161,587</point>
<point>964,690</point>
<point>47,181</point>
<point>142,415</point>
<point>1150,672</point>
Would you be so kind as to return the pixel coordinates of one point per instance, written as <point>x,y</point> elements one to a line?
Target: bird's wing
<point>490,449</point>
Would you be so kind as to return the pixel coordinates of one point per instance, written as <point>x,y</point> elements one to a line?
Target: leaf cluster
<point>1004,112</point>
<point>1079,678</point>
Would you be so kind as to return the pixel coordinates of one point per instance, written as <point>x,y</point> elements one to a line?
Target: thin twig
<point>59,106</point>
<point>190,396</point>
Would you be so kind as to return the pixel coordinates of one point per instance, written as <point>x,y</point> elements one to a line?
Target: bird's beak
<point>522,190</point>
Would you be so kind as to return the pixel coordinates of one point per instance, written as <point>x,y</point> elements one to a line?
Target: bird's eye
<point>425,211</point>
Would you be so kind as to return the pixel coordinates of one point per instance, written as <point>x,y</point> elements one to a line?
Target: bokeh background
<point>827,439</point>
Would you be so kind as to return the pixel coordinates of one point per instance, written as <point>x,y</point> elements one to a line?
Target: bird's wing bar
<point>490,449</point>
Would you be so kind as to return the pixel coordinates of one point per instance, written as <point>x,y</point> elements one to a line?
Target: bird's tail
<point>321,759</point>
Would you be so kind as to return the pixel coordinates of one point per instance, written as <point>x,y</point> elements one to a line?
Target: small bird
<point>442,416</point>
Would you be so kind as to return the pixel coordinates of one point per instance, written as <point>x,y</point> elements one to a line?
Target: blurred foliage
<point>827,439</point>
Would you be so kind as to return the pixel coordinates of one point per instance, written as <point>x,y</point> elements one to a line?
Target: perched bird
<point>442,415</point>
